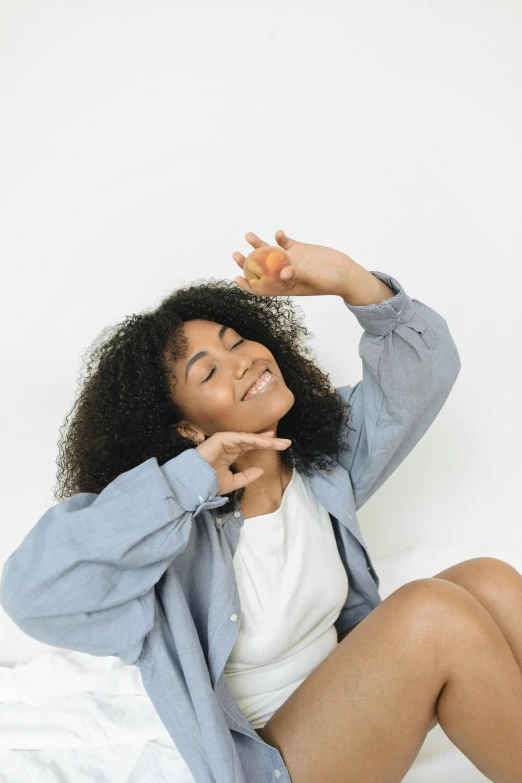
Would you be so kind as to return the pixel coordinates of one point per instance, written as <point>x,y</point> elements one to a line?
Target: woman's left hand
<point>315,270</point>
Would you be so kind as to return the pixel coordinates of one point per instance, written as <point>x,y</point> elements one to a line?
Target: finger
<point>261,441</point>
<point>240,480</point>
<point>282,240</point>
<point>271,441</point>
<point>254,240</point>
<point>258,442</point>
<point>239,258</point>
<point>244,284</point>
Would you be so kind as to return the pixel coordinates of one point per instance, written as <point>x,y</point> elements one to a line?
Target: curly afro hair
<point>124,413</point>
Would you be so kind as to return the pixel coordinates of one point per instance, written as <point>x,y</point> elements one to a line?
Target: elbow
<point>452,353</point>
<point>9,596</point>
<point>454,365</point>
<point>439,340</point>
<point>457,363</point>
<point>16,591</point>
<point>447,374</point>
<point>446,362</point>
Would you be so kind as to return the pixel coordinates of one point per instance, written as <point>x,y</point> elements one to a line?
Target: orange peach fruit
<point>265,263</point>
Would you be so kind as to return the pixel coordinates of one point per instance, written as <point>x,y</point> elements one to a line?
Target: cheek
<point>220,397</point>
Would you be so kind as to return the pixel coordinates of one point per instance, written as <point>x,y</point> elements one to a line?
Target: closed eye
<point>212,373</point>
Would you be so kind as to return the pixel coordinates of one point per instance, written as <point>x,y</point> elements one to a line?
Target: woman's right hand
<point>224,448</point>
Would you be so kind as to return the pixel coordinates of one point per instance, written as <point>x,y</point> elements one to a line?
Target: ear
<point>186,431</point>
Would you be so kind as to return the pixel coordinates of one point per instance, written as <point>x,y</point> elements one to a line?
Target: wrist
<point>363,289</point>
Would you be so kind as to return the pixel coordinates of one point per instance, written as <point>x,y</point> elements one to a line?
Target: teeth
<point>263,381</point>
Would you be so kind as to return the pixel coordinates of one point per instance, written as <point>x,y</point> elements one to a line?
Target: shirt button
<point>277,773</point>
<point>369,569</point>
<point>218,521</point>
<point>233,617</point>
<point>237,514</point>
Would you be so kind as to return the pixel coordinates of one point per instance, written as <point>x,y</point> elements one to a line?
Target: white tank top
<point>292,586</point>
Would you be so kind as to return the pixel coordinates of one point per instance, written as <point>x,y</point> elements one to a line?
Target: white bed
<point>68,717</point>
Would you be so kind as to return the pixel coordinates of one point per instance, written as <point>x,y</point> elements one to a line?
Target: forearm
<point>362,288</point>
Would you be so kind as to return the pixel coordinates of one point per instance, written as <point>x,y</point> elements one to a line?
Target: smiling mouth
<point>271,379</point>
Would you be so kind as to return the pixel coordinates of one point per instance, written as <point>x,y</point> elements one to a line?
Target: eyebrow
<point>201,354</point>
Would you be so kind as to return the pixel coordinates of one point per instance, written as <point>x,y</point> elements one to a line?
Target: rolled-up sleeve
<point>410,363</point>
<point>84,576</point>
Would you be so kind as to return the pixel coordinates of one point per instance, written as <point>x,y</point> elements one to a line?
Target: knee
<point>429,607</point>
<point>492,574</point>
<point>484,577</point>
<point>426,591</point>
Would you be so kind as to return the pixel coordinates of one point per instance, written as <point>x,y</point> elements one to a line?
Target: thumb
<point>283,240</point>
<point>295,274</point>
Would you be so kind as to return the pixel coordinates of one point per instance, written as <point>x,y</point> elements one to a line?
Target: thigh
<point>363,714</point>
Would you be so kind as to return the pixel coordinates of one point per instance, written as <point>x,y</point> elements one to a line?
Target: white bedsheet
<point>68,717</point>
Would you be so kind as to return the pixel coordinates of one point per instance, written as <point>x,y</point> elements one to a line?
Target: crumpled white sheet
<point>68,717</point>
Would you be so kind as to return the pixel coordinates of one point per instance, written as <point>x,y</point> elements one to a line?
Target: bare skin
<point>430,650</point>
<point>498,587</point>
<point>216,404</point>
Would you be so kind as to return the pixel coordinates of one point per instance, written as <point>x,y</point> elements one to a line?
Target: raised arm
<point>410,363</point>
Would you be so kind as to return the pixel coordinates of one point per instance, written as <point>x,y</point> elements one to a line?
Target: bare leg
<point>498,587</point>
<point>363,714</point>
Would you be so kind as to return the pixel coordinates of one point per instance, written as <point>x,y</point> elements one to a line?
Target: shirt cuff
<point>382,318</point>
<point>194,482</point>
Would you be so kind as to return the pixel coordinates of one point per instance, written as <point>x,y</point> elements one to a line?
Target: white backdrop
<point>140,142</point>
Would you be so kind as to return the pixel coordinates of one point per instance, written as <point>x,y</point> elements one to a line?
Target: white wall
<point>140,142</point>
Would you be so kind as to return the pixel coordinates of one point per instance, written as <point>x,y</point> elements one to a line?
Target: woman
<point>181,514</point>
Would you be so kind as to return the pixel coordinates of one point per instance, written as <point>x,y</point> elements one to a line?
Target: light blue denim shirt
<point>144,570</point>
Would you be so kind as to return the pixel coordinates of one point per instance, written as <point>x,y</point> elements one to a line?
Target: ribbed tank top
<point>292,586</point>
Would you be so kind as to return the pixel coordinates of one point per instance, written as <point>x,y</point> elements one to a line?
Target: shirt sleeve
<point>410,363</point>
<point>83,577</point>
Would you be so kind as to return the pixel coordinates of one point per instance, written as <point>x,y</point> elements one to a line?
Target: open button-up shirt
<point>144,570</point>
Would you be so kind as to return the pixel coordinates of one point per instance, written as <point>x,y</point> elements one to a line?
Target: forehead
<point>200,328</point>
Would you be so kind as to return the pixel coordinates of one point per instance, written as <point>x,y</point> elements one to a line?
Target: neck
<point>269,488</point>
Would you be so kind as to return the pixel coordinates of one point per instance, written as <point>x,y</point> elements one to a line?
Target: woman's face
<point>213,378</point>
